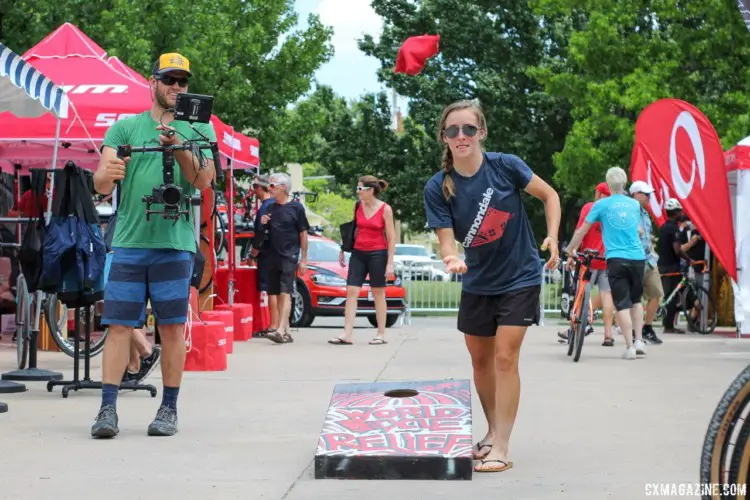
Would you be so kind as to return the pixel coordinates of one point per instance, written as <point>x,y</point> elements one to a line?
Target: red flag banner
<point>414,52</point>
<point>683,159</point>
<point>641,169</point>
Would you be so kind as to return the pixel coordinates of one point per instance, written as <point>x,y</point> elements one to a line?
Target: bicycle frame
<point>584,280</point>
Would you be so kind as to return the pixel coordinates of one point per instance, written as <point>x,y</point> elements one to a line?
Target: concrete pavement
<point>600,428</point>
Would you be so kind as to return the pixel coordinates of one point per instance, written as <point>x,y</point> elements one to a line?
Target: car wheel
<point>390,320</point>
<point>301,317</point>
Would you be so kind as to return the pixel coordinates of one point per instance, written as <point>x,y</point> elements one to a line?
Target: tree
<point>486,49</point>
<point>234,47</point>
<point>619,56</point>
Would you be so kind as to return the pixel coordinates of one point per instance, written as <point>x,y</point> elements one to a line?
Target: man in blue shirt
<point>626,260</point>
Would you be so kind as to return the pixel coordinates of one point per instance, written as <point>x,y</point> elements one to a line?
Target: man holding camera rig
<point>152,260</point>
<point>287,227</point>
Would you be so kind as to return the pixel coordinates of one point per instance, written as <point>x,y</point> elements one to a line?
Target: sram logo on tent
<point>95,89</point>
<point>108,119</point>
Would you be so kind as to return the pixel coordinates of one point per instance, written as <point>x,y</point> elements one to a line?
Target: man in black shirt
<point>288,227</point>
<point>670,253</point>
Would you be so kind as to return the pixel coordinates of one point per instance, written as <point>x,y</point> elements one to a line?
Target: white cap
<point>641,187</point>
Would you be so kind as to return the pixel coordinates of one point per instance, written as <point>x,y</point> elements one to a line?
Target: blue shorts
<point>137,275</point>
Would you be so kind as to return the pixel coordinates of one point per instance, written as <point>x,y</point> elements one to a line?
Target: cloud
<point>350,20</point>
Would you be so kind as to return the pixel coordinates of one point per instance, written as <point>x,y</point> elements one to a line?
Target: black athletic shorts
<point>480,315</point>
<point>263,263</point>
<point>281,275</point>
<point>363,263</point>
<point>626,281</point>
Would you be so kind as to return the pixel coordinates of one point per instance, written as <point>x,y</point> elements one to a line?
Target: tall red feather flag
<point>678,152</point>
<point>414,52</point>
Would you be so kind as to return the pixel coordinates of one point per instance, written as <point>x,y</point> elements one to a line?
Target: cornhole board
<point>397,430</point>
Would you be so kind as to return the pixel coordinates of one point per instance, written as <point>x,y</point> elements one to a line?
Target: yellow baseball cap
<point>172,62</point>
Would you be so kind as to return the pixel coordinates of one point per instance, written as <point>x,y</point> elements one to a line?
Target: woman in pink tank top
<point>374,246</point>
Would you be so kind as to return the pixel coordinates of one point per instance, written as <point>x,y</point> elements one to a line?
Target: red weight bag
<point>227,318</point>
<point>243,320</point>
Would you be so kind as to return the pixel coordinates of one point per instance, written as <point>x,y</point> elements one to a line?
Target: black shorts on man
<point>281,276</point>
<point>363,263</point>
<point>626,281</point>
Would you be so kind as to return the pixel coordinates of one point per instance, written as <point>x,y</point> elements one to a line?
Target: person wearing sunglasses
<point>262,256</point>
<point>374,247</point>
<point>152,260</point>
<point>287,235</point>
<point>476,199</point>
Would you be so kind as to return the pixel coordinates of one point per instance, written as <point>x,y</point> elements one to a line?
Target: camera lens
<point>171,195</point>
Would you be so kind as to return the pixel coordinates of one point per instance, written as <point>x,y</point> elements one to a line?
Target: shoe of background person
<point>640,348</point>
<point>148,364</point>
<point>106,422</point>
<point>165,423</point>
<point>649,335</point>
<point>617,330</point>
<point>608,342</point>
<point>589,330</point>
<point>629,353</point>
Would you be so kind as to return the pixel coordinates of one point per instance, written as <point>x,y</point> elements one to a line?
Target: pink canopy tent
<point>101,90</point>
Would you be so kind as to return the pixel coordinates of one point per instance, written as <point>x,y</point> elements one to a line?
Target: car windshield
<point>322,251</point>
<point>418,251</point>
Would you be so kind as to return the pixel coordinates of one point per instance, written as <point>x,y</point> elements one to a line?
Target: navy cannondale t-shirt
<point>489,220</point>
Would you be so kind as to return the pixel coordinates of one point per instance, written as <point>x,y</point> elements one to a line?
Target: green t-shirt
<point>143,173</point>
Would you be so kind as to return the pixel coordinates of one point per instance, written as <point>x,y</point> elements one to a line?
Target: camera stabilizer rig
<point>170,194</point>
<point>190,108</point>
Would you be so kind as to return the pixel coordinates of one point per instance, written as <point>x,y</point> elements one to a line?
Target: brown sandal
<point>274,336</point>
<point>506,466</point>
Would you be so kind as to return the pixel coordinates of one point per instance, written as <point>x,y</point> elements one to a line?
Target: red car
<point>322,289</point>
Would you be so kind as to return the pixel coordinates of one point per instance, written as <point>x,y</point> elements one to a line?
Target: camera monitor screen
<point>193,108</point>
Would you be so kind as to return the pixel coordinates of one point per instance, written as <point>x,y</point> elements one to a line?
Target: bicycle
<point>688,293</point>
<point>725,457</point>
<point>580,321</point>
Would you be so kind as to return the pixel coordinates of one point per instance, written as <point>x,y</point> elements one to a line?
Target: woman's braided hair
<point>449,188</point>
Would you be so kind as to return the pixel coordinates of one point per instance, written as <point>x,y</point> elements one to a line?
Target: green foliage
<point>486,49</point>
<point>235,48</point>
<point>336,209</point>
<point>619,56</point>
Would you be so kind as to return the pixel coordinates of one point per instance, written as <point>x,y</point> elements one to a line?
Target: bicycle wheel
<point>582,325</point>
<point>57,322</point>
<point>700,294</point>
<point>728,423</point>
<point>23,321</point>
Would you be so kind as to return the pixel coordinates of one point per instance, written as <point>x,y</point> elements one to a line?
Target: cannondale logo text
<point>483,205</point>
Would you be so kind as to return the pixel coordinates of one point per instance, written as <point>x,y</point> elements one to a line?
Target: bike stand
<point>3,407</point>
<point>32,373</point>
<point>77,384</point>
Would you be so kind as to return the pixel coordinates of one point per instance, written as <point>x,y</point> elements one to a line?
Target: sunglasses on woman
<point>171,80</point>
<point>468,130</point>
<point>363,188</point>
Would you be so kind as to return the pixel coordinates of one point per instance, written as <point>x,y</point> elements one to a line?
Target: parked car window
<point>416,251</point>
<point>323,251</point>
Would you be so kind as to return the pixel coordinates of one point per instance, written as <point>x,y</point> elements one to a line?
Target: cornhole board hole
<point>397,430</point>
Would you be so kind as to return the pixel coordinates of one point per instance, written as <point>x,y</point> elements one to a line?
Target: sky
<point>349,72</point>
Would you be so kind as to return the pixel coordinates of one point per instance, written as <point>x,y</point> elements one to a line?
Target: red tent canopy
<point>101,91</point>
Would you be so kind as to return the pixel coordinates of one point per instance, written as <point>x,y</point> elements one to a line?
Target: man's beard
<point>162,100</point>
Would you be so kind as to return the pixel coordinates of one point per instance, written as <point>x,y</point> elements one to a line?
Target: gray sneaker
<point>165,423</point>
<point>105,425</point>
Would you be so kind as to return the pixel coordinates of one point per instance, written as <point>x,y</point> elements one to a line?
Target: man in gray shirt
<point>652,289</point>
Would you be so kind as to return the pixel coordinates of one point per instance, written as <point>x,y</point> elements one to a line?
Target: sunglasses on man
<point>171,80</point>
<point>468,130</point>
